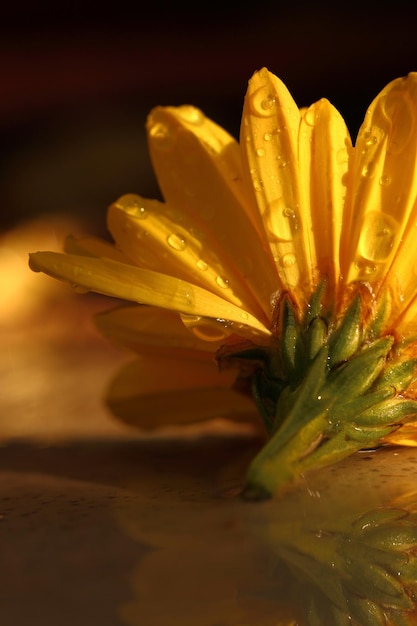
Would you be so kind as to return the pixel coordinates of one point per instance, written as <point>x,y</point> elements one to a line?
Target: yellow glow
<point>21,293</point>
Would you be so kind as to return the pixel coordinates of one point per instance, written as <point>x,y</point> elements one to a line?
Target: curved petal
<point>135,284</point>
<point>148,233</point>
<point>383,185</point>
<point>198,168</point>
<point>324,151</point>
<point>153,392</point>
<point>142,328</point>
<point>269,140</point>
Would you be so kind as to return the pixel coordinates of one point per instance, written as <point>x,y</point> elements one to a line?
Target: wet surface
<point>153,532</point>
<point>103,525</point>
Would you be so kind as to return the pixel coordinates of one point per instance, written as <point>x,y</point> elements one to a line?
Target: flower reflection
<point>328,554</point>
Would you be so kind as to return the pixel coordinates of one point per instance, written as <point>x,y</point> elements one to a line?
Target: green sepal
<point>367,436</point>
<point>357,375</point>
<point>392,411</point>
<point>374,518</point>
<point>365,612</point>
<point>316,337</point>
<point>398,376</point>
<point>331,388</point>
<point>346,339</point>
<point>291,343</point>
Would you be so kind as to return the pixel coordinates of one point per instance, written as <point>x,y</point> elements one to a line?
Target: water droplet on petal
<point>260,152</point>
<point>263,102</point>
<point>177,242</point>
<point>268,136</point>
<point>311,116</point>
<point>371,140</point>
<point>367,170</point>
<point>205,328</point>
<point>377,236</point>
<point>189,299</point>
<point>385,180</point>
<point>162,134</point>
<point>202,265</point>
<point>365,266</point>
<point>288,260</point>
<point>281,220</point>
<point>342,156</point>
<point>190,114</point>
<point>223,282</point>
<point>133,205</point>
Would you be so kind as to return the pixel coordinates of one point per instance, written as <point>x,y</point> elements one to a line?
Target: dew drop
<point>257,184</point>
<point>281,220</point>
<point>223,282</point>
<point>288,260</point>
<point>385,180</point>
<point>268,136</point>
<point>244,315</point>
<point>190,114</point>
<point>367,170</point>
<point>260,152</point>
<point>263,102</point>
<point>176,242</point>
<point>290,213</point>
<point>206,329</point>
<point>371,141</point>
<point>342,156</point>
<point>202,265</point>
<point>311,116</point>
<point>132,204</point>
<point>162,134</point>
<point>189,299</point>
<point>377,236</point>
<point>366,267</point>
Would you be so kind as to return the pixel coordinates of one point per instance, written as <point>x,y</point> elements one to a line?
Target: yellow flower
<point>289,255</point>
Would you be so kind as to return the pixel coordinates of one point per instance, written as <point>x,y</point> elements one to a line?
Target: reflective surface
<point>100,525</point>
<point>152,532</point>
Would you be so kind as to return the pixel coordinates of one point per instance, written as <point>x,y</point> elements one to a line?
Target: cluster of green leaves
<point>325,388</point>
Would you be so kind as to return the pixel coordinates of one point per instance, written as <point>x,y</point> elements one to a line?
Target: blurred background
<point>78,79</point>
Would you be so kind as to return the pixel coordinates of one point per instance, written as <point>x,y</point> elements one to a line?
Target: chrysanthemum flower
<point>288,259</point>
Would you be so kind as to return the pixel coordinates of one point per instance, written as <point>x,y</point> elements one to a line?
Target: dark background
<point>77,81</point>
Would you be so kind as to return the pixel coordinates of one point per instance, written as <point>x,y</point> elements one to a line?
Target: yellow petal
<point>149,393</point>
<point>324,151</point>
<point>383,184</point>
<point>269,140</point>
<point>135,284</point>
<point>199,171</point>
<point>155,238</point>
<point>403,319</point>
<point>141,328</point>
